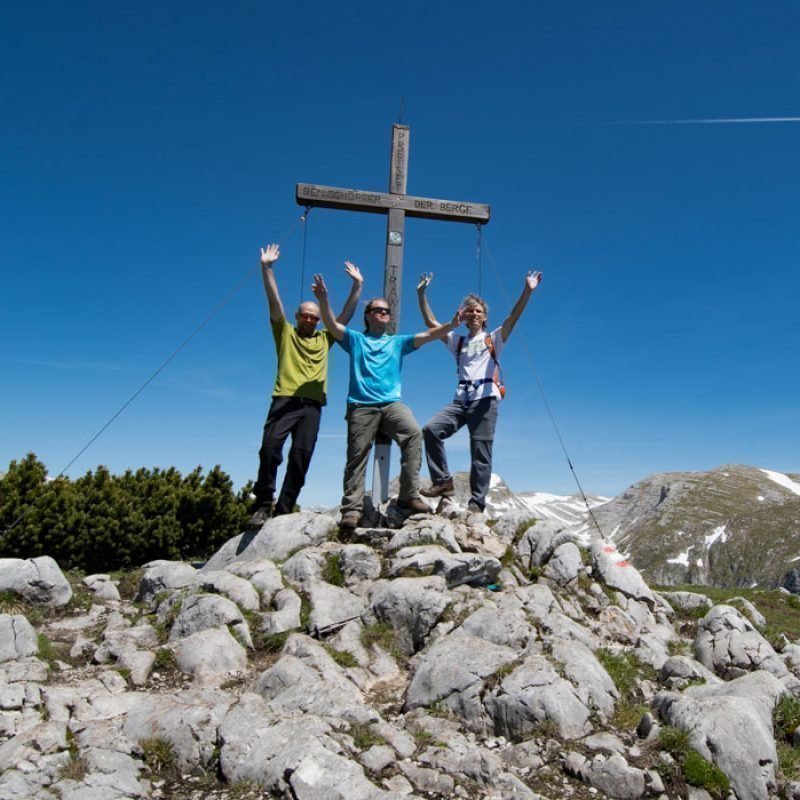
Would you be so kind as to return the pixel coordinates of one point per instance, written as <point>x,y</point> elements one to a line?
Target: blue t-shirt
<point>375,363</point>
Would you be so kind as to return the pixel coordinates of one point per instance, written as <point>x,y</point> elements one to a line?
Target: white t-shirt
<point>475,364</point>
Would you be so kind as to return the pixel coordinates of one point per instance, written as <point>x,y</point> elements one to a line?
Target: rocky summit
<point>444,657</point>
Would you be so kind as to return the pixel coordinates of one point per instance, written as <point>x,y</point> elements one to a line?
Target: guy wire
<point>155,374</point>
<point>478,255</point>
<point>304,220</point>
<point>544,396</point>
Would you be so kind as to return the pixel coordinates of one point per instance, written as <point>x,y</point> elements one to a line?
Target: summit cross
<point>397,205</point>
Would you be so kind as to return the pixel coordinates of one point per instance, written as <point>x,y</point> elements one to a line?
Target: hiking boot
<point>444,489</point>
<point>413,506</point>
<point>474,508</point>
<point>260,516</point>
<point>349,521</point>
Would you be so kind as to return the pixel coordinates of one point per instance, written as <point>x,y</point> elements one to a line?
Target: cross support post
<point>397,205</point>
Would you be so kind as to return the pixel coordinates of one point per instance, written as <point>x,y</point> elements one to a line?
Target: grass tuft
<point>787,716</point>
<point>159,756</point>
<point>626,670</point>
<point>674,740</point>
<point>364,736</point>
<point>344,658</point>
<point>332,570</point>
<point>165,660</point>
<point>708,776</point>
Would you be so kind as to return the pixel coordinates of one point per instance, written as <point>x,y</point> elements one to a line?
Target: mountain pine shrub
<point>102,522</point>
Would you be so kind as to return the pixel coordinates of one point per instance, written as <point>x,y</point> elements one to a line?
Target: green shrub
<point>102,522</point>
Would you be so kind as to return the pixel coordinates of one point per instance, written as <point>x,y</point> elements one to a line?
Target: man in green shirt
<point>299,392</point>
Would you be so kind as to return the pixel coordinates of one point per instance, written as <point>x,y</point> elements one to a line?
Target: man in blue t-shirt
<point>374,400</point>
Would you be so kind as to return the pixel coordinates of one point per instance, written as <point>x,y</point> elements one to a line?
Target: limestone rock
<point>457,569</point>
<point>730,724</point>
<point>532,695</point>
<point>236,589</point>
<point>611,775</point>
<point>286,616</point>
<point>263,575</point>
<point>618,573</point>
<point>210,653</point>
<point>453,671</point>
<point>729,644</point>
<point>502,622</point>
<point>102,587</point>
<point>202,611</point>
<point>412,606</point>
<point>359,563</point>
<point>331,604</point>
<point>277,540</point>
<point>431,530</point>
<point>565,564</point>
<point>306,680</point>
<point>17,638</point>
<point>189,721</point>
<point>688,601</point>
<point>38,581</point>
<point>164,577</point>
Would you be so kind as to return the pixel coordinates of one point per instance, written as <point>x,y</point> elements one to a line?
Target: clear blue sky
<point>149,149</point>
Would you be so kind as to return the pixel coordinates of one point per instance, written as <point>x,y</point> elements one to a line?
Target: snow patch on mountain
<point>783,480</point>
<point>718,533</point>
<point>681,558</point>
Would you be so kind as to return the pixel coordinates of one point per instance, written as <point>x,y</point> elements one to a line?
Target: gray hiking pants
<point>394,420</point>
<point>480,417</point>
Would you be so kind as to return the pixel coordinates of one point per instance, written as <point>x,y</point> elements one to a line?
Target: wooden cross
<point>397,205</point>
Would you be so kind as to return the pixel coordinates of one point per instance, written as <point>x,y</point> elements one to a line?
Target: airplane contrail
<point>712,121</point>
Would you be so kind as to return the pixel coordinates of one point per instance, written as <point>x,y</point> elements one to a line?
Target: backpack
<point>497,377</point>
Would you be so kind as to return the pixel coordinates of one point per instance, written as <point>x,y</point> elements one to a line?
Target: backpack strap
<point>459,348</point>
<point>498,372</point>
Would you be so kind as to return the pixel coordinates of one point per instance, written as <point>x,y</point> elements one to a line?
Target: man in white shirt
<point>478,393</point>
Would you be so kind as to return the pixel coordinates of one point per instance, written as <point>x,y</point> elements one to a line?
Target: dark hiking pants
<point>299,417</point>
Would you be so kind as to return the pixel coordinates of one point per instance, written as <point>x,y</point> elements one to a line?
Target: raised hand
<point>532,279</point>
<point>353,272</point>
<point>424,281</point>
<point>458,317</point>
<point>270,254</point>
<point>319,288</point>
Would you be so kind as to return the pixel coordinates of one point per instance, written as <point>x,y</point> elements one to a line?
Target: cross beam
<point>397,205</point>
<point>380,203</point>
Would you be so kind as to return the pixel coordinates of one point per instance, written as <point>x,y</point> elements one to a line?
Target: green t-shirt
<point>302,362</point>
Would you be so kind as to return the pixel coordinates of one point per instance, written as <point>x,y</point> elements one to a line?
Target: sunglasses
<point>309,318</point>
<point>380,310</point>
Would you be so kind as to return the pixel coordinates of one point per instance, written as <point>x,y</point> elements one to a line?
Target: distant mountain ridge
<point>735,525</point>
<point>731,526</point>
